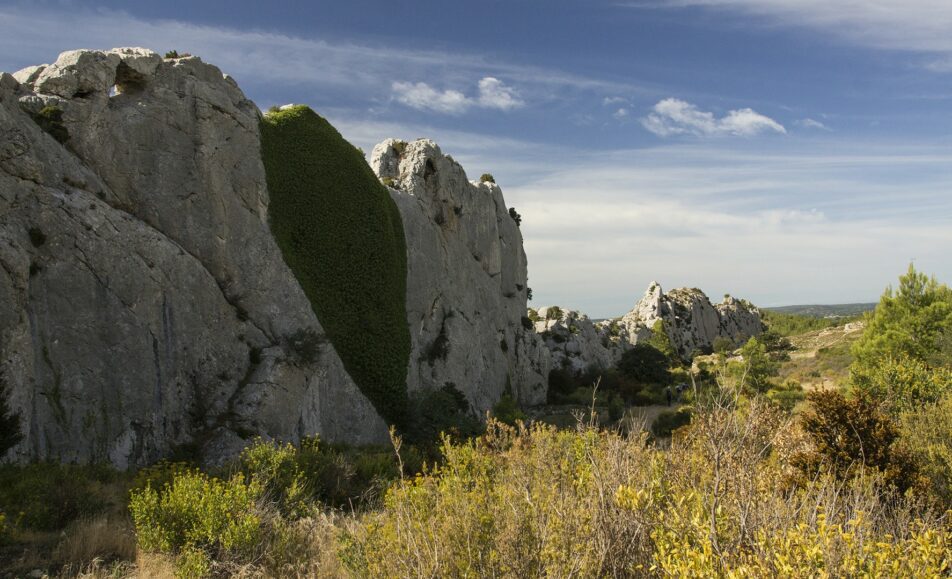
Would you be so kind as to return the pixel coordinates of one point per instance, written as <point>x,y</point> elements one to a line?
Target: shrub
<point>927,433</point>
<point>327,203</point>
<point>507,410</point>
<point>722,345</point>
<point>515,216</point>
<point>756,369</point>
<point>903,383</point>
<point>670,420</point>
<point>787,396</point>
<point>486,178</point>
<point>662,342</point>
<point>199,519</point>
<point>616,408</point>
<point>444,410</point>
<point>48,496</point>
<point>850,435</point>
<point>553,313</point>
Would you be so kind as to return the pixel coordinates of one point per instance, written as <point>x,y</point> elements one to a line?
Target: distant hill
<point>825,311</point>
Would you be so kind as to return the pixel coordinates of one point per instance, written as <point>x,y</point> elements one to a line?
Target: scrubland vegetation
<point>751,476</point>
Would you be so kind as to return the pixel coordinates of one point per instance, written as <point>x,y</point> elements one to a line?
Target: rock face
<point>690,320</point>
<point>466,286</point>
<point>144,305</point>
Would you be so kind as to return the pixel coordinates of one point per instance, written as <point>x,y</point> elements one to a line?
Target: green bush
<point>342,236</point>
<point>850,435</point>
<point>507,410</point>
<point>927,433</point>
<point>199,517</point>
<point>515,216</point>
<point>670,420</point>
<point>439,411</point>
<point>48,496</point>
<point>486,178</point>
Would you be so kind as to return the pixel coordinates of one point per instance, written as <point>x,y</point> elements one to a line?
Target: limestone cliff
<point>690,320</point>
<point>466,286</point>
<point>144,304</point>
<point>146,301</point>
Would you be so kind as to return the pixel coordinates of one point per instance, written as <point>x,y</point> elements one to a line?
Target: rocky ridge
<point>145,307</point>
<point>691,321</point>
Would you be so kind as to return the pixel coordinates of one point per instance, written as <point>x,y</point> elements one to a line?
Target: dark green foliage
<point>561,383</point>
<point>507,410</point>
<point>175,54</point>
<point>444,410</point>
<point>848,433</point>
<point>553,313</point>
<point>515,216</point>
<point>784,325</point>
<point>50,119</point>
<point>616,408</point>
<point>527,322</point>
<point>913,321</point>
<point>669,421</point>
<point>10,434</point>
<point>646,364</point>
<point>486,178</point>
<point>47,496</point>
<point>341,235</point>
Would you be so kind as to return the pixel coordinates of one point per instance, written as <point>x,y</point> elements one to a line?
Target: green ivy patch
<point>342,236</point>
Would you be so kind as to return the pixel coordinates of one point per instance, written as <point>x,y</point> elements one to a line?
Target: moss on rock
<point>342,236</point>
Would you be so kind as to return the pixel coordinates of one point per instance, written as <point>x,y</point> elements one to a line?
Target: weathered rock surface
<point>143,302</point>
<point>466,290</point>
<point>690,320</point>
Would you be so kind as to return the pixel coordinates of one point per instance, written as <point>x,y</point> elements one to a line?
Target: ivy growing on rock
<point>341,234</point>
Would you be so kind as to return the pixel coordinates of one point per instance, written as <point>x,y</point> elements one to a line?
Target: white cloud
<point>919,25</point>
<point>614,100</point>
<point>676,117</point>
<point>492,94</point>
<point>424,97</point>
<point>809,123</point>
<point>621,114</point>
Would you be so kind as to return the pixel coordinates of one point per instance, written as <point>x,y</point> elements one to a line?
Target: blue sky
<point>787,151</point>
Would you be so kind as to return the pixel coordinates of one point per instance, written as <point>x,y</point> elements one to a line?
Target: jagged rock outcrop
<point>466,285</point>
<point>690,320</point>
<point>143,302</point>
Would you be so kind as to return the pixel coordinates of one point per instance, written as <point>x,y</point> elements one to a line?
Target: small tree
<point>757,368</point>
<point>515,216</point>
<point>644,363</point>
<point>486,178</point>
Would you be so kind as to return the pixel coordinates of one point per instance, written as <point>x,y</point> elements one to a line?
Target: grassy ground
<point>821,358</point>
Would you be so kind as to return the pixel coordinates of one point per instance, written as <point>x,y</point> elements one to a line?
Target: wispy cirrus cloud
<point>809,123</point>
<point>917,25</point>
<point>673,116</point>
